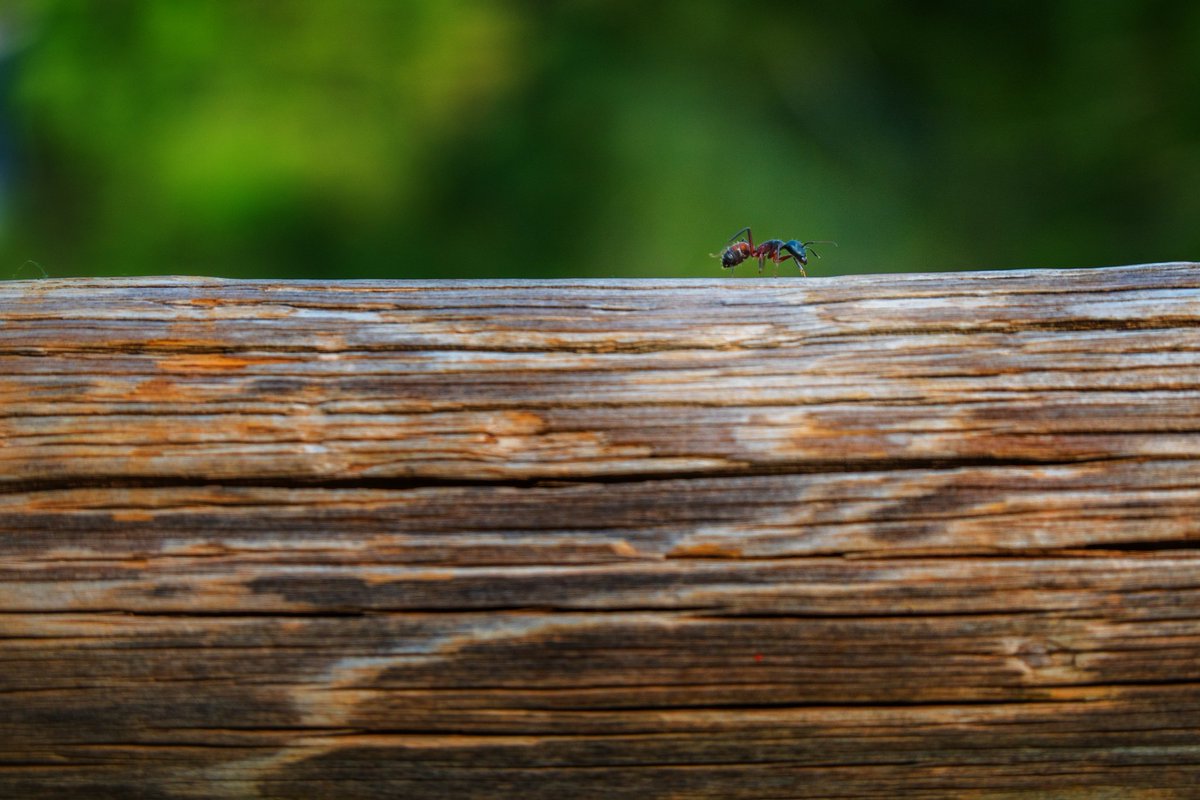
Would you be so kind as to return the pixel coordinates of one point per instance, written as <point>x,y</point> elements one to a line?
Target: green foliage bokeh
<point>497,138</point>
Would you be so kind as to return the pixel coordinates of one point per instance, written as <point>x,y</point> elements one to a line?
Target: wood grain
<point>920,536</point>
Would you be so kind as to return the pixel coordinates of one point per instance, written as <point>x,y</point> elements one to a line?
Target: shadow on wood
<point>919,536</point>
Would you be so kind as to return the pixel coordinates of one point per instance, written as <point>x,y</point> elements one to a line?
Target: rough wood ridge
<point>889,536</point>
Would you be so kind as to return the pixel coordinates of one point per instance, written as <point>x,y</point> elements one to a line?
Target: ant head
<point>797,250</point>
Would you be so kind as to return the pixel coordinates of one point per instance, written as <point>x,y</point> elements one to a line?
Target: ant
<point>777,250</point>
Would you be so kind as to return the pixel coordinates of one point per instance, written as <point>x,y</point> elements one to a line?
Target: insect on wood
<point>777,251</point>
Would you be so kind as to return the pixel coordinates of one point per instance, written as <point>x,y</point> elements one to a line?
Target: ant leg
<point>800,267</point>
<point>738,235</point>
<point>790,253</point>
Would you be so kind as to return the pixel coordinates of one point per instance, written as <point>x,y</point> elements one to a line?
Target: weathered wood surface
<point>919,536</point>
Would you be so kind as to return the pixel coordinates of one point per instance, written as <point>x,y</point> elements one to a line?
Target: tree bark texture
<point>879,536</point>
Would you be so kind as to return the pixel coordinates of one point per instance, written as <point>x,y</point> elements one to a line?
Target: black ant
<point>777,250</point>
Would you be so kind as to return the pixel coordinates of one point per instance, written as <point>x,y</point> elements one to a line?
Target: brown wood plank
<point>878,536</point>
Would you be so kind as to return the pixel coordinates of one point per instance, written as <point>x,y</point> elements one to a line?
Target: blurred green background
<point>497,138</point>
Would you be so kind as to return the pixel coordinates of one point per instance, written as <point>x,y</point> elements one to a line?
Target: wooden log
<point>878,536</point>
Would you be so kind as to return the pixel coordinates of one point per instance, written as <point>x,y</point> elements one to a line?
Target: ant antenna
<point>818,241</point>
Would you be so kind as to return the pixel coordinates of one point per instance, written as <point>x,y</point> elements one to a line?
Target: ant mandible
<point>777,250</point>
